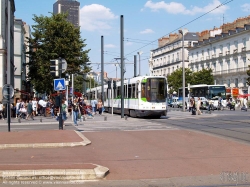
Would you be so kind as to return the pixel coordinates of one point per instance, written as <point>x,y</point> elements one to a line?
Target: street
<point>177,150</point>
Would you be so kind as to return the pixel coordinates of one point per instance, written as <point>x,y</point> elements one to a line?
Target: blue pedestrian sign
<point>59,84</point>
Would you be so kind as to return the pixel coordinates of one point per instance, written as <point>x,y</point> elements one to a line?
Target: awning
<point>78,94</point>
<point>243,95</point>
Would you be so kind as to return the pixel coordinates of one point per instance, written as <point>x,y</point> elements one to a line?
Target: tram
<point>144,96</point>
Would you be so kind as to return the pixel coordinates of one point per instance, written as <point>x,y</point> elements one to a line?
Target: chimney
<point>163,41</point>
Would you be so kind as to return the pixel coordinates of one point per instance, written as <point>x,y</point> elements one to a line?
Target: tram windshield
<point>155,90</point>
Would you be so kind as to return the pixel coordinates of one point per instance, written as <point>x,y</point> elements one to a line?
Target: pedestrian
<point>34,106</point>
<point>100,107</point>
<point>93,105</point>
<point>1,110</point>
<point>245,102</point>
<point>192,105</point>
<point>76,109</point>
<point>64,111</point>
<point>52,109</point>
<point>30,110</point>
<point>198,106</point>
<point>17,108</point>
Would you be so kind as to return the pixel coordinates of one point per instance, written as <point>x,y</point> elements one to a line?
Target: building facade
<point>22,84</point>
<point>165,59</point>
<point>227,53</point>
<point>7,9</point>
<point>72,7</point>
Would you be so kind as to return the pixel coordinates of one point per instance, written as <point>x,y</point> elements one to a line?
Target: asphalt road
<point>112,137</point>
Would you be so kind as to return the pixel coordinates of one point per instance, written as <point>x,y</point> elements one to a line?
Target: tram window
<point>130,91</point>
<point>107,93</point>
<point>119,91</point>
<point>125,91</point>
<point>136,92</point>
<point>143,88</point>
<point>133,91</point>
<point>115,93</point>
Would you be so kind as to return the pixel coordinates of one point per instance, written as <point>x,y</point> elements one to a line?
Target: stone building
<point>226,50</point>
<point>168,56</point>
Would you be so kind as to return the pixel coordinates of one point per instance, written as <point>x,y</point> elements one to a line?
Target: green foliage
<point>248,73</point>
<point>201,77</point>
<point>175,79</point>
<point>79,81</point>
<point>54,37</point>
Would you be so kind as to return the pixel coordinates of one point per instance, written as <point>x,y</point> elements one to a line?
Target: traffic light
<point>54,68</point>
<point>114,85</point>
<point>109,84</point>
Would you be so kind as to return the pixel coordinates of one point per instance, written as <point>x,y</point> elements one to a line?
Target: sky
<point>145,21</point>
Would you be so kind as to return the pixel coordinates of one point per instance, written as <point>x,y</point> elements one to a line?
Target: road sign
<point>59,84</point>
<point>8,91</point>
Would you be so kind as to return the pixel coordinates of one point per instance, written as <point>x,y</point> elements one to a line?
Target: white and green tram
<point>144,96</point>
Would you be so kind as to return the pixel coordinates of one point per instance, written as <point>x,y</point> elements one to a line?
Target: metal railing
<point>235,70</point>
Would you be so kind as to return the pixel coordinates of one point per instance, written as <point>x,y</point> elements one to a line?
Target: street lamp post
<point>183,73</point>
<point>139,53</point>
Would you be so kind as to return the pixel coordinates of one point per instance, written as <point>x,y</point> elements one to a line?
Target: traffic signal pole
<point>60,106</point>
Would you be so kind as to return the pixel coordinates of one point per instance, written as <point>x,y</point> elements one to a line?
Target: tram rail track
<point>241,135</point>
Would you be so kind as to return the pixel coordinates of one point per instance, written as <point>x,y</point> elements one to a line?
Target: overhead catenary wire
<point>222,4</point>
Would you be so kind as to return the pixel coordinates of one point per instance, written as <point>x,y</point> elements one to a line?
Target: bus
<point>205,92</point>
<point>143,96</point>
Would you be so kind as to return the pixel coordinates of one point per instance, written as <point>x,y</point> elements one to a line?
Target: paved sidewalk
<point>48,140</point>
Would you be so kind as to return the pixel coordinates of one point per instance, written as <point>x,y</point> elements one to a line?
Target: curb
<point>48,145</point>
<point>99,172</point>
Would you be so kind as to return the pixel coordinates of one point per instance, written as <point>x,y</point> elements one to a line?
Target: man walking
<point>30,110</point>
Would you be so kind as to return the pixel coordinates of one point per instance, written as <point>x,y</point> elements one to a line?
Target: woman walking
<point>198,106</point>
<point>76,109</point>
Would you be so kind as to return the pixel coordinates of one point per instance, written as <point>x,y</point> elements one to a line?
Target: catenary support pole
<point>135,65</point>
<point>102,69</point>
<point>122,68</point>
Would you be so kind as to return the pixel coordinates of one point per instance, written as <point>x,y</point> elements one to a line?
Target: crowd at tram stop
<point>230,103</point>
<point>27,109</point>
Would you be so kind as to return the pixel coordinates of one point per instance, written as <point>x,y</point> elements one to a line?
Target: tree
<point>175,79</point>
<point>203,76</point>
<point>79,81</point>
<point>54,37</point>
<point>248,73</point>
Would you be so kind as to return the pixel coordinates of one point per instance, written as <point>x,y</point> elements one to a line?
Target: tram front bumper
<point>145,113</point>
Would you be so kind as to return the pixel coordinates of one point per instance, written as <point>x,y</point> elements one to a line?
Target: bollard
<point>41,119</point>
<point>126,117</point>
<point>105,118</point>
<point>19,120</point>
<point>83,118</point>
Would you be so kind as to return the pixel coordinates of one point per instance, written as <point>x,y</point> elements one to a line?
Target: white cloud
<point>129,43</point>
<point>147,31</point>
<point>109,46</point>
<point>96,17</point>
<point>246,7</point>
<point>178,8</point>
